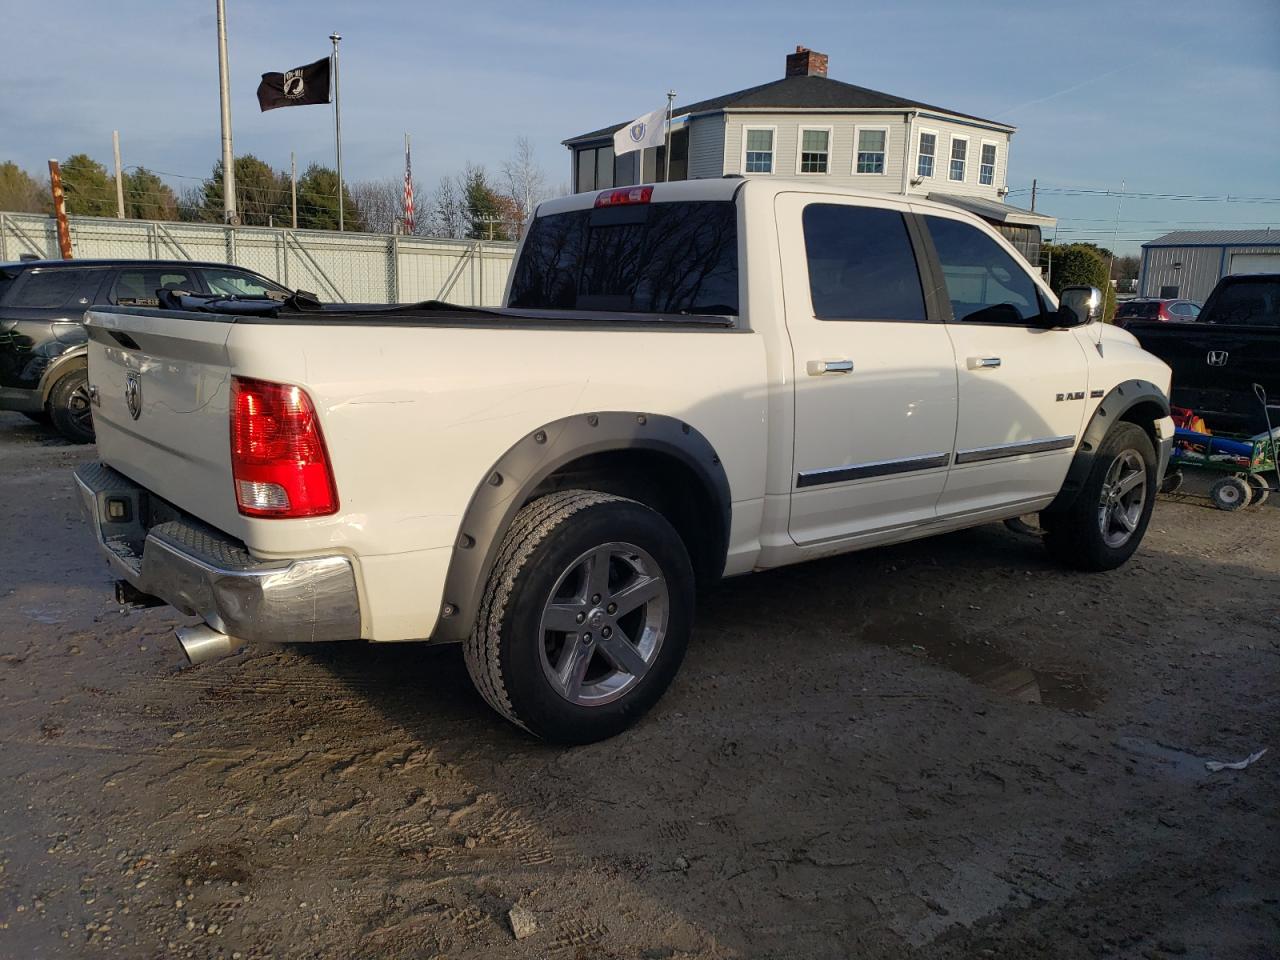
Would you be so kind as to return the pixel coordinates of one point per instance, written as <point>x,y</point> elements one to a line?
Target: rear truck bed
<point>413,407</point>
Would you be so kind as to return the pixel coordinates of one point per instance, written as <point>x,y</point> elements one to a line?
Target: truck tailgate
<point>161,386</point>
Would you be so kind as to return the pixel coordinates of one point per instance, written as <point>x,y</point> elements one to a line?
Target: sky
<point>1167,97</point>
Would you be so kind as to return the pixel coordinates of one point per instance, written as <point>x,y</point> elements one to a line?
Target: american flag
<point>408,189</point>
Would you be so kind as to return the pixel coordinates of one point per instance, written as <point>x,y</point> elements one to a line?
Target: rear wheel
<point>70,409</point>
<point>585,618</point>
<point>1105,523</point>
<point>1259,488</point>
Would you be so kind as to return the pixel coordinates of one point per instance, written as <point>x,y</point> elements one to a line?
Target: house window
<point>928,151</point>
<point>987,166</point>
<point>594,168</point>
<point>815,145</point>
<point>871,145</point>
<point>759,150</point>
<point>959,152</point>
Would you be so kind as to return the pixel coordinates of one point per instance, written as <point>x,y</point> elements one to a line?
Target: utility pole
<point>293,187</point>
<point>1033,194</point>
<point>229,215</point>
<point>60,209</point>
<point>666,176</point>
<point>337,121</point>
<point>115,147</point>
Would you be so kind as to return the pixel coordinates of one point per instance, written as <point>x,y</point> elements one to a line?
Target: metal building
<point>1188,264</point>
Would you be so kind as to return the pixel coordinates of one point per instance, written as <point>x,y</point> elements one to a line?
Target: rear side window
<point>673,258</point>
<point>48,288</point>
<point>861,264</point>
<point>236,283</point>
<point>138,285</point>
<point>984,283</point>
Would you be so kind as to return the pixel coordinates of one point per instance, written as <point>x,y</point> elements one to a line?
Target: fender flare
<point>1122,398</point>
<point>64,363</point>
<point>535,457</point>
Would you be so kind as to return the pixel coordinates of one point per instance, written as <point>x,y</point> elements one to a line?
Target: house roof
<point>799,93</point>
<point>1212,238</point>
<point>995,211</point>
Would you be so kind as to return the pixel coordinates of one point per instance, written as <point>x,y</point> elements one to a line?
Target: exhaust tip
<point>201,643</point>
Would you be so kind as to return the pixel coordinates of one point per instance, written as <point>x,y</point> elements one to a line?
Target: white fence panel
<point>351,267</point>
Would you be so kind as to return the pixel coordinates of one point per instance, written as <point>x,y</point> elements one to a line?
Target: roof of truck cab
<point>728,187</point>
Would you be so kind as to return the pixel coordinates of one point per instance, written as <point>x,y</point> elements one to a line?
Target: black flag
<point>296,87</point>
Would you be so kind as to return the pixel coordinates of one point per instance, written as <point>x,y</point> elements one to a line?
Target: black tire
<point>1231,494</point>
<point>1075,535</point>
<point>1260,489</point>
<point>510,652</point>
<point>70,409</point>
<point>1172,482</point>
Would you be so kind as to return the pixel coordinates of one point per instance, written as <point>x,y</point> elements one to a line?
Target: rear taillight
<point>278,459</point>
<point>616,198</point>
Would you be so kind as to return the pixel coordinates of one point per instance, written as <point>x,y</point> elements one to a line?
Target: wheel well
<point>1144,414</point>
<point>662,482</point>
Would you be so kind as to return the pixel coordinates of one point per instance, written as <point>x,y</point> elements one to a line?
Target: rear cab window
<point>676,258</point>
<point>1147,310</point>
<point>1248,303</point>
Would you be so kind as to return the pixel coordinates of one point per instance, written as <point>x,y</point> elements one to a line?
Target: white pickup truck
<point>689,381</point>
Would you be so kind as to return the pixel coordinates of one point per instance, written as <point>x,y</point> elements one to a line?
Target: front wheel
<point>1103,526</point>
<point>585,617</point>
<point>70,409</point>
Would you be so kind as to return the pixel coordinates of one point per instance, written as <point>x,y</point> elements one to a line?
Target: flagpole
<point>228,161</point>
<point>666,176</point>
<point>337,120</point>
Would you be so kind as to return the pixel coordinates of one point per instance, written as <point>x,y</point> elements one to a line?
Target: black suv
<point>42,336</point>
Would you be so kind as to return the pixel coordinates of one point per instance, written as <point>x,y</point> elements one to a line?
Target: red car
<point>1166,311</point>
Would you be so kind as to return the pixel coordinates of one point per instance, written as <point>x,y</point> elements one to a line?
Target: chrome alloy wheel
<point>1124,493</point>
<point>604,623</point>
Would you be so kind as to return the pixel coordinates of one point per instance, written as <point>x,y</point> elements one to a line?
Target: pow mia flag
<point>296,87</point>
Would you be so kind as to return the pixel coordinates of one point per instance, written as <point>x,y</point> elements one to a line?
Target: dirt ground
<point>948,749</point>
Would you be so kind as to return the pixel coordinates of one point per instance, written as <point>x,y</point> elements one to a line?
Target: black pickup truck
<point>1216,360</point>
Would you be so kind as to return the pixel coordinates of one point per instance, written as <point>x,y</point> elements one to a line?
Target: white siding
<point>706,146</point>
<point>843,147</point>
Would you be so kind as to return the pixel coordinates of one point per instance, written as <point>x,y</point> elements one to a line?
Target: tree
<point>22,193</point>
<point>449,210</point>
<point>147,197</point>
<point>380,205</point>
<point>525,181</point>
<point>89,189</point>
<point>1082,264</point>
<point>318,201</point>
<point>262,194</point>
<point>489,218</point>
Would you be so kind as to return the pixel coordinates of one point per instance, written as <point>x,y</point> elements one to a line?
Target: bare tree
<point>525,181</point>
<point>449,209</point>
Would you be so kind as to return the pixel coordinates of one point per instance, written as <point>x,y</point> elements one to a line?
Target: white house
<point>807,125</point>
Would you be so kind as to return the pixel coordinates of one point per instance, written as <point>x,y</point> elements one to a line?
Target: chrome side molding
<point>1019,449</point>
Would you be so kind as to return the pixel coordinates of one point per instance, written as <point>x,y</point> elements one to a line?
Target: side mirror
<point>1082,305</point>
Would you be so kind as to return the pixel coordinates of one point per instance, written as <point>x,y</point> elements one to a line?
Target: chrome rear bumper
<point>205,573</point>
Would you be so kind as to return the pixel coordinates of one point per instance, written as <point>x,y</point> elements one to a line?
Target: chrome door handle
<point>817,368</point>
<point>980,363</point>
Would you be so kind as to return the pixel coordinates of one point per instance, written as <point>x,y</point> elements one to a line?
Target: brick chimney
<point>806,63</point>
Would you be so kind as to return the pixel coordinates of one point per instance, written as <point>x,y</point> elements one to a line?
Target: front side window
<point>984,282</point>
<point>861,264</point>
<point>814,148</point>
<point>959,152</point>
<point>987,168</point>
<point>235,283</point>
<point>759,158</point>
<point>662,258</point>
<point>871,146</point>
<point>48,288</point>
<point>928,150</point>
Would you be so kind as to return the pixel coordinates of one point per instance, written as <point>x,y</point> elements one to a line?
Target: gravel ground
<point>947,749</point>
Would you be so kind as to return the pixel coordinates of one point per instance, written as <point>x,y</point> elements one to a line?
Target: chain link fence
<point>346,267</point>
